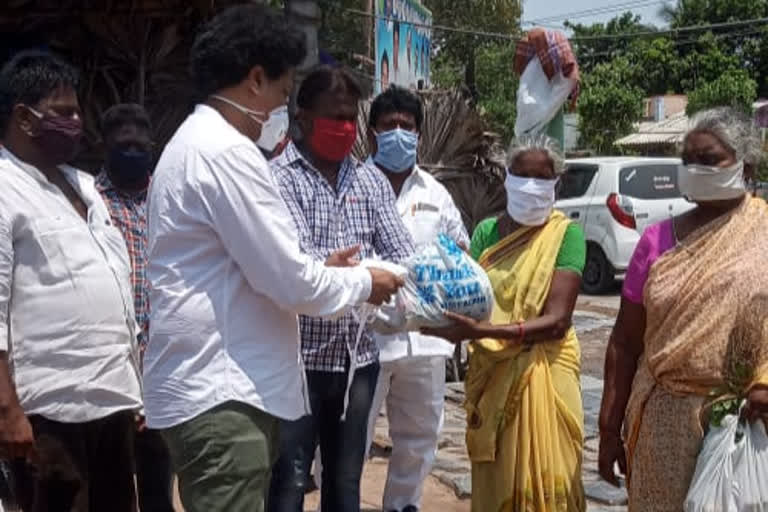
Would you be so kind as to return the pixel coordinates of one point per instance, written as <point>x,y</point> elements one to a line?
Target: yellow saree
<point>525,420</point>
<point>695,298</point>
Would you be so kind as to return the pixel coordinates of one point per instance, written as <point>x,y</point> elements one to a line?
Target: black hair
<point>396,99</point>
<point>123,114</point>
<point>385,58</point>
<point>326,79</point>
<point>30,77</point>
<point>240,38</point>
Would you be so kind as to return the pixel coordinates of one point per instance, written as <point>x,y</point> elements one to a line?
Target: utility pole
<point>369,24</point>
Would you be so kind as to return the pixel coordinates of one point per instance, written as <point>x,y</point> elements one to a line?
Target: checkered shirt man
<point>128,212</point>
<point>360,210</point>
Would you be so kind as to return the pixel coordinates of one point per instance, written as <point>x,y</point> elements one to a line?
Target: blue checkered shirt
<point>359,211</point>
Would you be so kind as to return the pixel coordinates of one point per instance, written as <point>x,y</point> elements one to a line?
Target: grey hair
<point>733,128</point>
<point>543,143</point>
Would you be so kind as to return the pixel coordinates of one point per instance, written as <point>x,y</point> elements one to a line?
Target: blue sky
<point>537,9</point>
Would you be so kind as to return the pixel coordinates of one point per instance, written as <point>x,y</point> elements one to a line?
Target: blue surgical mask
<point>396,151</point>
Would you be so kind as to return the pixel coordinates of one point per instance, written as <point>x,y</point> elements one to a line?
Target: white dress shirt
<point>228,279</point>
<point>66,302</point>
<point>427,210</point>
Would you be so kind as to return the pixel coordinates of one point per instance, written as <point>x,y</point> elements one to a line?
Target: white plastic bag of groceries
<point>750,472</point>
<point>441,278</point>
<point>732,469</point>
<point>712,485</point>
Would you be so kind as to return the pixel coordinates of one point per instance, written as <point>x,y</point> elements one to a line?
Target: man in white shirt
<point>69,378</point>
<point>227,275</point>
<point>412,377</point>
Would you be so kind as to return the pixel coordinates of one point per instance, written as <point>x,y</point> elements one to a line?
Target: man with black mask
<point>69,373</point>
<point>127,133</point>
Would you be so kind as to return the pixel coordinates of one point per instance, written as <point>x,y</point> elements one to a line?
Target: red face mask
<point>332,139</point>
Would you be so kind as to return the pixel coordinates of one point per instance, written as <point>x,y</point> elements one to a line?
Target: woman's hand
<point>610,452</point>
<point>463,328</point>
<point>757,403</point>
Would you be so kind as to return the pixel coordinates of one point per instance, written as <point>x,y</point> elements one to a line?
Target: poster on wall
<point>403,44</point>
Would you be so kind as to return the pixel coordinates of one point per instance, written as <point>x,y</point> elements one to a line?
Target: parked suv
<point>615,199</point>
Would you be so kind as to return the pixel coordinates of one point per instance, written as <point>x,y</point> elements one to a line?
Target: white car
<point>615,199</point>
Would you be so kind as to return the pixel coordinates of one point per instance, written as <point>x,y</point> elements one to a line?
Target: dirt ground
<point>437,497</point>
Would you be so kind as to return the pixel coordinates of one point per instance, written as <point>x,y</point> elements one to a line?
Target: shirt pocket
<point>62,245</point>
<point>425,226</point>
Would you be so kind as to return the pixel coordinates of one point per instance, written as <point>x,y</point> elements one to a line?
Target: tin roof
<point>668,131</point>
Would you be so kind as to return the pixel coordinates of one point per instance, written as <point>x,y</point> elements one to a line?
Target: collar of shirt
<point>293,157</point>
<point>104,184</point>
<point>414,179</point>
<point>82,183</point>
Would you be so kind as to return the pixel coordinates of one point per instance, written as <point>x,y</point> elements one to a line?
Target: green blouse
<point>573,250</point>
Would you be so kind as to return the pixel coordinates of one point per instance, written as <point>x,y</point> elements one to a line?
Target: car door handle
<point>575,215</point>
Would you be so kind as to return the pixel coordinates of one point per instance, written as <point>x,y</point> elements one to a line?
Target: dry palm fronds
<point>457,150</point>
<point>126,50</point>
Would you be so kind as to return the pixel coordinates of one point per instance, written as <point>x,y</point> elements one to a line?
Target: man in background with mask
<point>67,324</point>
<point>227,275</point>
<point>336,202</point>
<point>123,183</point>
<point>412,376</point>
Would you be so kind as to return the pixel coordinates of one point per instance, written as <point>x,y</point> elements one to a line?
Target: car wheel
<point>599,275</point>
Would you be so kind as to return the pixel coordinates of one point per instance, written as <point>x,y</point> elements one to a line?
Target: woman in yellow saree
<point>692,319</point>
<point>523,398</point>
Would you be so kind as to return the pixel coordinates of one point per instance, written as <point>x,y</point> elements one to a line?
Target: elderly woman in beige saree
<point>689,286</point>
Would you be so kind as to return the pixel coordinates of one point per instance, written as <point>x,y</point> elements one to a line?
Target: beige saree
<point>696,298</point>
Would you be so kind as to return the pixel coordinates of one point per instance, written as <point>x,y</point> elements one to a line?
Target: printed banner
<point>403,44</point>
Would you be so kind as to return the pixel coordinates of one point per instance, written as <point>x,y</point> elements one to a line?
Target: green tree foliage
<point>497,87</point>
<point>734,88</point>
<point>609,105</point>
<point>460,50</point>
<point>343,34</point>
<point>687,13</point>
<point>596,51</point>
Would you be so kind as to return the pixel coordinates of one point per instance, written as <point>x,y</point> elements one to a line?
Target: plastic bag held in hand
<point>441,277</point>
<point>539,99</point>
<point>732,469</point>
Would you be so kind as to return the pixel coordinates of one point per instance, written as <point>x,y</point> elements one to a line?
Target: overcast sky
<point>537,9</point>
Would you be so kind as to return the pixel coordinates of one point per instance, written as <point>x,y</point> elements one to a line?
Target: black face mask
<point>129,167</point>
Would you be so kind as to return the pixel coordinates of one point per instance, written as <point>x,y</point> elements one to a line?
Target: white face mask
<point>529,200</point>
<point>705,183</point>
<point>273,130</point>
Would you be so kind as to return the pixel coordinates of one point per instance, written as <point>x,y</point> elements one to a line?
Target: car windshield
<point>649,181</point>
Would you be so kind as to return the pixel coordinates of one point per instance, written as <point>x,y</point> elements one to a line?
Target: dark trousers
<point>342,444</point>
<point>79,467</point>
<point>154,476</point>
